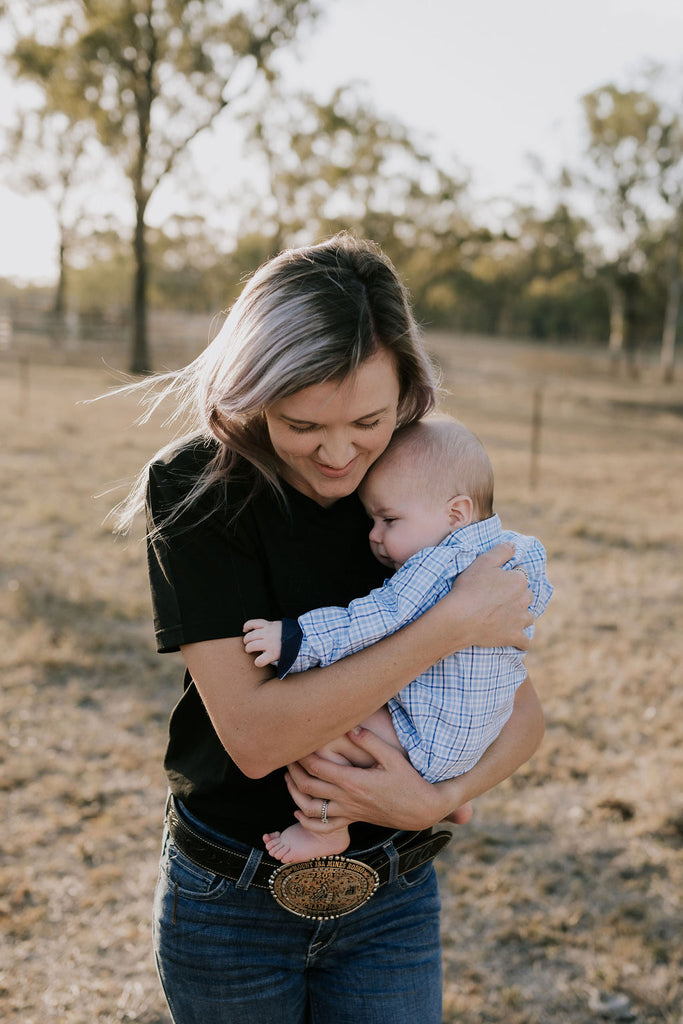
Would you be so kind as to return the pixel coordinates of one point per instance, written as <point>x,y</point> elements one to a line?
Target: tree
<point>340,165</point>
<point>189,268</point>
<point>636,147</point>
<point>149,75</point>
<point>549,294</point>
<point>673,304</point>
<point>101,271</point>
<point>668,147</point>
<point>48,152</point>
<point>622,124</point>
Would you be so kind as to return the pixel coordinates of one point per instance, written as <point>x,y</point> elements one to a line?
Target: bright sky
<point>489,81</point>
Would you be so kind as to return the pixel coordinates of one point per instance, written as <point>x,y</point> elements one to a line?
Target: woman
<point>316,365</point>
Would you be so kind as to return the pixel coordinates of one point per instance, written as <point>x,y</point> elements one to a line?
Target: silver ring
<point>520,568</point>
<point>323,812</point>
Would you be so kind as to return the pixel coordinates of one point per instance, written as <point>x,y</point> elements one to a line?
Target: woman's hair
<point>307,316</point>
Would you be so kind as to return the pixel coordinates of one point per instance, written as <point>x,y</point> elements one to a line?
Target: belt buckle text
<point>323,888</point>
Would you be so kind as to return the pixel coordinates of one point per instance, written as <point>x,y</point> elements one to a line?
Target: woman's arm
<point>393,794</point>
<point>265,723</point>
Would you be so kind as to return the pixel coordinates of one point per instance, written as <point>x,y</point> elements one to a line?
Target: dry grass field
<point>562,898</point>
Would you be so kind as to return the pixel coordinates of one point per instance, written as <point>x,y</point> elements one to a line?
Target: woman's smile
<point>334,472</point>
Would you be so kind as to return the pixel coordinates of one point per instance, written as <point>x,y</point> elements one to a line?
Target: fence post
<point>536,429</point>
<point>24,383</point>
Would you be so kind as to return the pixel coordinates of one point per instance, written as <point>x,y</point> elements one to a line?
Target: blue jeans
<point>233,956</point>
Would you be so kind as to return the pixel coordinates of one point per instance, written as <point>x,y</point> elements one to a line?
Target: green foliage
<point>149,78</point>
<point>339,164</point>
<point>622,126</point>
<point>635,148</point>
<point>139,81</point>
<point>188,268</point>
<point>101,274</point>
<point>47,152</point>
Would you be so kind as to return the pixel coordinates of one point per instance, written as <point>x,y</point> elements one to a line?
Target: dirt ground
<point>562,898</point>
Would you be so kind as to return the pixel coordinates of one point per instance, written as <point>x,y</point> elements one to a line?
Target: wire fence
<point>174,338</point>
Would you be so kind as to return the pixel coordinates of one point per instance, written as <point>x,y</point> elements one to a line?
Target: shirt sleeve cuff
<point>292,635</point>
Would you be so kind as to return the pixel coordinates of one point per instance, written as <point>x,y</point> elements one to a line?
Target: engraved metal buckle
<point>324,888</point>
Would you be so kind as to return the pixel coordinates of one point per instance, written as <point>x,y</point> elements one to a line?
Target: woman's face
<point>328,435</point>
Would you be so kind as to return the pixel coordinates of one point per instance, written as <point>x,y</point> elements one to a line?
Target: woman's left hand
<point>393,794</point>
<point>390,793</point>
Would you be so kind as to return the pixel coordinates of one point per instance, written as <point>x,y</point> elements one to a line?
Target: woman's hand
<point>390,793</point>
<point>491,604</point>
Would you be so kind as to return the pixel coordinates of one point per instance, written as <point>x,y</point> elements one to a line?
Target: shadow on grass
<point>60,639</point>
<point>552,911</point>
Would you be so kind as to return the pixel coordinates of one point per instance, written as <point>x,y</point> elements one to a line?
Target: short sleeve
<point>205,570</point>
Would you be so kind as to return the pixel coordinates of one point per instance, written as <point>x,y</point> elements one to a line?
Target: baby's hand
<point>265,637</point>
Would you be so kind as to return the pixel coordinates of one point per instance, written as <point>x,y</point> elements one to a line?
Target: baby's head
<point>433,478</point>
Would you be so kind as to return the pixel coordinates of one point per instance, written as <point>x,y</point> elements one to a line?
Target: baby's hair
<point>444,458</point>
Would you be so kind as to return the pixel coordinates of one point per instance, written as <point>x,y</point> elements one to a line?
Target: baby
<point>430,496</point>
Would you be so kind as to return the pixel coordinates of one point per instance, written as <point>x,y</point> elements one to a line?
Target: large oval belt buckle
<point>324,888</point>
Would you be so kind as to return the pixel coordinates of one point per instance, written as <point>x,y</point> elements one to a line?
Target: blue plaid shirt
<point>447,717</point>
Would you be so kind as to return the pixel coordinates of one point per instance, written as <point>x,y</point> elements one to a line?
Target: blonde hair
<point>444,458</point>
<point>307,316</point>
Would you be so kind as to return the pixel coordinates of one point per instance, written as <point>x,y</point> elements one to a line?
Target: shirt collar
<point>485,533</point>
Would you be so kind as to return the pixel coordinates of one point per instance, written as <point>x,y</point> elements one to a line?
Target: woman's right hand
<point>490,604</point>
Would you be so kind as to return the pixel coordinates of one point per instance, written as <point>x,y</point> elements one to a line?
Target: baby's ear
<point>460,511</point>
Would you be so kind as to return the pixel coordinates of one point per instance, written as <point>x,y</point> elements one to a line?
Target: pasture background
<point>561,898</point>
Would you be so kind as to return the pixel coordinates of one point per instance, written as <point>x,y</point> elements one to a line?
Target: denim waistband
<point>369,869</point>
<point>235,844</point>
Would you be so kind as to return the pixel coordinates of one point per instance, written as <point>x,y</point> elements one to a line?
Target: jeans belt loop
<point>249,870</point>
<point>392,854</point>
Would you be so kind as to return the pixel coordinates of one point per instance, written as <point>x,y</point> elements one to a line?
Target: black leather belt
<point>324,888</point>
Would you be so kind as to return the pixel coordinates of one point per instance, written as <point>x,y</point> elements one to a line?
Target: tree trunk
<point>617,322</point>
<point>140,360</point>
<point>58,306</point>
<point>60,293</point>
<point>632,339</point>
<point>668,355</point>
<point>673,302</point>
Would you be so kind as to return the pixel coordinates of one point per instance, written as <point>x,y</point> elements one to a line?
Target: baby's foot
<point>297,843</point>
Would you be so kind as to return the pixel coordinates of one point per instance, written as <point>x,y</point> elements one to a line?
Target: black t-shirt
<point>210,570</point>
